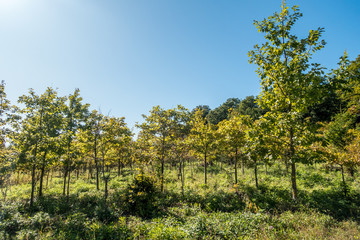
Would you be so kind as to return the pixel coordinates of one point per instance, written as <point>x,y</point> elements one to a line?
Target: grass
<point>218,210</point>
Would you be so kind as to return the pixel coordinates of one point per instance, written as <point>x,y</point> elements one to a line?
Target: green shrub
<point>140,196</point>
<point>40,221</point>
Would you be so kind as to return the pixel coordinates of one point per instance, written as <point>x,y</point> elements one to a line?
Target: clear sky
<point>127,56</point>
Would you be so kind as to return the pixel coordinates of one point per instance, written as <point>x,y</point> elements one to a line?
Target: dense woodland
<point>281,165</point>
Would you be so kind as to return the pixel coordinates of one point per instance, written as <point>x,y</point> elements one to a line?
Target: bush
<point>140,196</point>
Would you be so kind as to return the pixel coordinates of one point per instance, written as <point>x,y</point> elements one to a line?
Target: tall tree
<point>38,131</point>
<point>289,83</point>
<point>204,108</point>
<point>249,106</point>
<point>223,111</point>
<point>75,115</point>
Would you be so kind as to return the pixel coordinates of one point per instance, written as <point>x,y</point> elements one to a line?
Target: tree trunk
<point>64,184</point>
<point>235,166</point>
<point>256,174</point>
<point>32,185</point>
<point>293,167</point>
<point>205,168</point>
<point>106,188</point>
<point>97,169</point>
<point>119,167</point>
<point>162,174</point>
<point>183,177</point>
<point>243,165</point>
<point>42,171</point>
<point>42,175</point>
<point>33,171</point>
<point>68,184</point>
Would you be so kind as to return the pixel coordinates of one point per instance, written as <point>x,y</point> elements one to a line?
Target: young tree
<point>89,138</point>
<point>232,137</point>
<point>38,132</point>
<point>180,146</point>
<point>113,132</point>
<point>202,138</point>
<point>75,115</point>
<point>159,127</point>
<point>257,142</point>
<point>6,154</point>
<point>289,83</point>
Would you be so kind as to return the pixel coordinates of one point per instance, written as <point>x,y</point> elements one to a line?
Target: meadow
<point>136,209</point>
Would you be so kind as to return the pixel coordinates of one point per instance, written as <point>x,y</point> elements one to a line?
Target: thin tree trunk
<point>42,171</point>
<point>180,170</point>
<point>64,184</point>
<point>183,177</point>
<point>293,166</point>
<point>162,163</point>
<point>243,165</point>
<point>106,188</point>
<point>235,166</point>
<point>256,175</point>
<point>68,184</point>
<point>42,175</point>
<point>32,185</point>
<point>119,167</point>
<point>96,165</point>
<point>33,174</point>
<point>162,174</point>
<point>205,168</point>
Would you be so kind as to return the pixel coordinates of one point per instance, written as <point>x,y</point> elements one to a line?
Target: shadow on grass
<point>331,202</point>
<point>335,204</point>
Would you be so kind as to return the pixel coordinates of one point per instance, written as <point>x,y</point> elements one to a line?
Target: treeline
<point>301,115</point>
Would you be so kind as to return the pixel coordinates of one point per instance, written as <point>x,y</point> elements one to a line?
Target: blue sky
<point>128,56</point>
